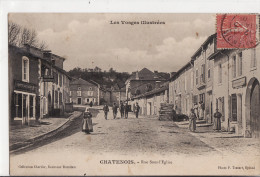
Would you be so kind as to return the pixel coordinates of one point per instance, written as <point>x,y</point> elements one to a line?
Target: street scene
<point>90,90</point>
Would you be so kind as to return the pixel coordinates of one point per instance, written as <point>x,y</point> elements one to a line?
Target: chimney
<point>156,72</point>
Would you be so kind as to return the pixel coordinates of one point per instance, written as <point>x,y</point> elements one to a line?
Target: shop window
<point>25,70</point>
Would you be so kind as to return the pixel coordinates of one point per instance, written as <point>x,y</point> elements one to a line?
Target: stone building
<point>236,91</point>
<point>38,85</point>
<point>150,101</point>
<point>83,92</point>
<point>181,89</point>
<point>203,71</point>
<point>142,81</point>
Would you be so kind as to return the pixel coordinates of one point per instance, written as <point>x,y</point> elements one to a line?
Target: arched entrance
<point>253,108</point>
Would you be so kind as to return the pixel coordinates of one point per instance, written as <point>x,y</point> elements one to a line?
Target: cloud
<point>93,41</point>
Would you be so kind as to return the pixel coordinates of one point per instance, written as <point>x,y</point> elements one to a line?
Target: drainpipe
<point>227,90</point>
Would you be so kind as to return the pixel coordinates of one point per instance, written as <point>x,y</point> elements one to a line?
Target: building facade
<point>149,102</point>
<point>142,81</point>
<point>33,89</point>
<point>181,89</point>
<point>236,90</point>
<point>84,92</point>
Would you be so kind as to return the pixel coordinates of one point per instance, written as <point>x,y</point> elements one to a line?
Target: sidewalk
<point>225,142</point>
<point>20,136</point>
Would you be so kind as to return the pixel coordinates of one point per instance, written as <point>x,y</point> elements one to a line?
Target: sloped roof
<point>145,74</point>
<point>163,87</point>
<point>81,82</point>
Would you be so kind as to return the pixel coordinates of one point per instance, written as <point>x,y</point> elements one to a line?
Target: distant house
<point>142,81</point>
<point>150,102</point>
<point>83,92</point>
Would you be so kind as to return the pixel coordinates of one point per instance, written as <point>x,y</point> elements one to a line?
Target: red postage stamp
<point>236,31</point>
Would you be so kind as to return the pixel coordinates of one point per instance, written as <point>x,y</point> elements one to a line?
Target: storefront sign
<point>24,86</point>
<point>48,78</point>
<point>239,82</point>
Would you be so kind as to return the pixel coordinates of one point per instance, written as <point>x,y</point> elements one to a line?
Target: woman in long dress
<point>87,126</point>
<point>217,121</point>
<point>192,125</point>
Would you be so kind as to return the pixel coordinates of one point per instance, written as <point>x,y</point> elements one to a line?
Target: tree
<point>18,36</point>
<point>13,33</point>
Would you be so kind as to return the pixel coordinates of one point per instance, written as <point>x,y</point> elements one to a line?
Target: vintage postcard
<point>134,94</point>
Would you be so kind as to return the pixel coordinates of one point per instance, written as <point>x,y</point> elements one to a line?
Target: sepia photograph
<point>134,94</point>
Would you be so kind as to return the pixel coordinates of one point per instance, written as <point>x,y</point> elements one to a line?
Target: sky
<point>87,40</point>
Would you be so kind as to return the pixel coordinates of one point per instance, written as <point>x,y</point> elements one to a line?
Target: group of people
<point>199,110</point>
<point>193,117</point>
<point>123,108</point>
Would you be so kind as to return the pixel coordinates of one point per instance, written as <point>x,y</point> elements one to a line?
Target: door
<point>79,100</point>
<point>255,110</point>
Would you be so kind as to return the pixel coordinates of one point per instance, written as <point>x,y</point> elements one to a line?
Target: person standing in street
<point>137,108</point>
<point>217,121</point>
<point>192,121</point>
<point>196,111</point>
<point>114,110</point>
<point>106,110</point>
<point>91,104</point>
<point>122,109</point>
<point>201,110</point>
<point>126,110</point>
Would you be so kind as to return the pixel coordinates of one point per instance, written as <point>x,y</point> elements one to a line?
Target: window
<point>60,98</point>
<point>202,76</point>
<point>253,58</point>
<point>234,60</point>
<point>197,77</point>
<point>25,70</point>
<point>208,73</point>
<point>219,73</point>
<point>234,107</point>
<point>240,64</point>
<point>90,93</point>
<point>79,88</point>
<point>55,75</point>
<point>60,80</point>
<point>70,100</point>
<point>70,93</point>
<point>78,93</point>
<point>90,88</point>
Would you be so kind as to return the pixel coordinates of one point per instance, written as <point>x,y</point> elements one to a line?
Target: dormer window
<point>25,69</point>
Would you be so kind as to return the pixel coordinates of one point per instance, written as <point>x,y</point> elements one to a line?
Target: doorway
<point>252,109</point>
<point>255,110</point>
<point>79,100</point>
